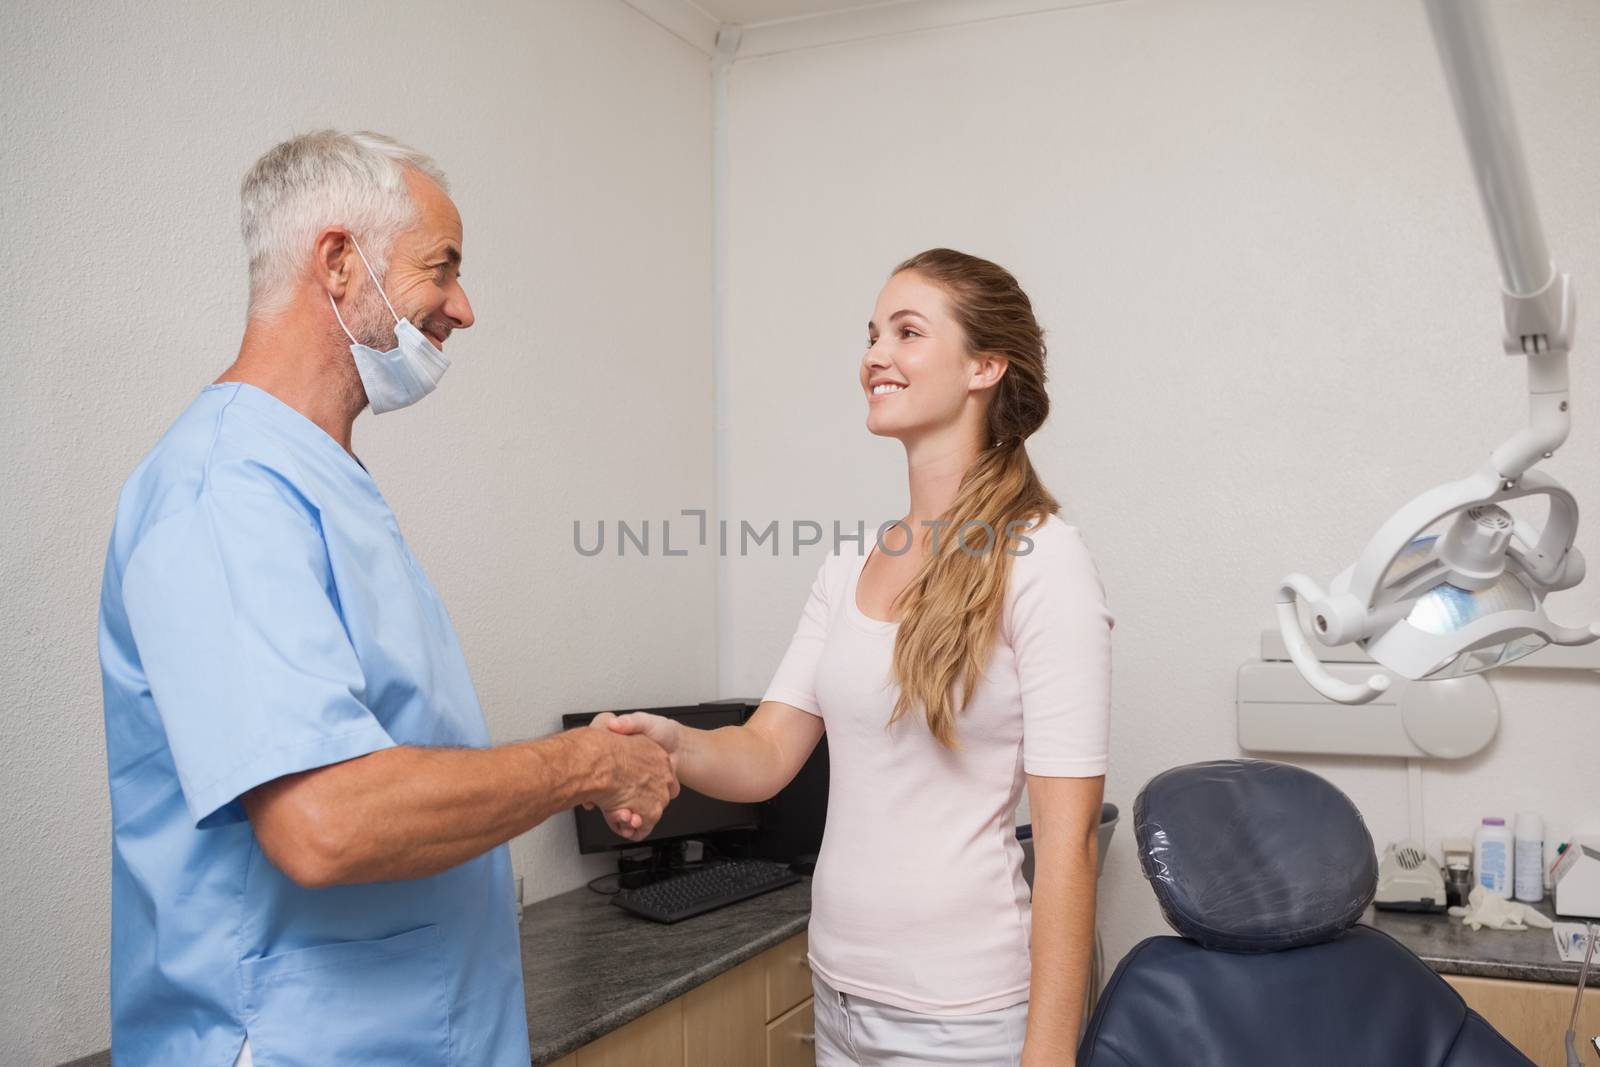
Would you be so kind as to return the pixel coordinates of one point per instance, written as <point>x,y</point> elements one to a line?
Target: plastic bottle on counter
<point>1491,857</point>
<point>1529,858</point>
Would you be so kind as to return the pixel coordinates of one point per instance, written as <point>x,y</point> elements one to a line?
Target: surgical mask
<point>404,374</point>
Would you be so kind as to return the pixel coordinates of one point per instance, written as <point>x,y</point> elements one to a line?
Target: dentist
<point>308,822</point>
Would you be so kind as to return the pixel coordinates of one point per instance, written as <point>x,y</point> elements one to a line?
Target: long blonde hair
<point>951,608</point>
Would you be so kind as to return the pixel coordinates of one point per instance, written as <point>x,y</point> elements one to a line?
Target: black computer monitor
<point>689,814</point>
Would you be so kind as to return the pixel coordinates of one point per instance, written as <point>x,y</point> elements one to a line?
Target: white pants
<point>855,1032</point>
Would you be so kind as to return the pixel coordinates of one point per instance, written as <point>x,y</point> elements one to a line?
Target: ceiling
<point>747,12</point>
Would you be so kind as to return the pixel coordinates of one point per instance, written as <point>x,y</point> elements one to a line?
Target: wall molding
<point>683,19</point>
<point>693,25</point>
<point>883,20</point>
<point>722,482</point>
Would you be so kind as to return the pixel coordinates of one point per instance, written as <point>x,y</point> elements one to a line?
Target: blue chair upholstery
<point>1264,869</point>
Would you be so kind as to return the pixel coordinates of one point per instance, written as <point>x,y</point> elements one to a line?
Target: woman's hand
<point>667,733</point>
<point>743,764</point>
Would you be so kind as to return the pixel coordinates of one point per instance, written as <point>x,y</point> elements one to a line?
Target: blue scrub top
<point>260,614</point>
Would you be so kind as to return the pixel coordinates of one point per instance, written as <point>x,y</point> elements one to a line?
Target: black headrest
<point>1254,856</point>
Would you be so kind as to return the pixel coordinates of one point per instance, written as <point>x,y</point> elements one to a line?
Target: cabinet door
<point>788,976</point>
<point>724,1021</point>
<point>791,1039</point>
<point>1532,1015</point>
<point>653,1040</point>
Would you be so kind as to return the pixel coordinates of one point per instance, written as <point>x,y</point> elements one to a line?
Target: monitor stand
<point>666,859</point>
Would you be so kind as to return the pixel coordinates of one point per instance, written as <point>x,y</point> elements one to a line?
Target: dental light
<point>1471,597</point>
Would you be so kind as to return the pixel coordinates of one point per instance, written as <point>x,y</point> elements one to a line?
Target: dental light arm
<point>1471,599</point>
<point>1483,107</point>
<point>1536,299</point>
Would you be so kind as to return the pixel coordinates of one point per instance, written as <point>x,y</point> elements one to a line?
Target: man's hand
<point>642,777</point>
<point>409,812</point>
<point>666,734</point>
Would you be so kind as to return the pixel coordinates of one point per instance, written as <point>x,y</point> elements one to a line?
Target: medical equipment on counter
<point>1491,857</point>
<point>1457,852</point>
<point>1577,881</point>
<point>1556,835</point>
<point>1468,598</point>
<point>1457,883</point>
<point>1409,880</point>
<point>1572,940</point>
<point>1527,879</point>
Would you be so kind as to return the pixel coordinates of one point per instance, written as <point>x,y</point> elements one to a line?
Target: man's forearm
<point>408,812</point>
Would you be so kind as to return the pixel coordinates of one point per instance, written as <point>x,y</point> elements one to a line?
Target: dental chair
<point>1264,869</point>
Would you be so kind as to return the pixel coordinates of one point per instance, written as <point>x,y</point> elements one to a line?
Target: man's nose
<point>459,308</point>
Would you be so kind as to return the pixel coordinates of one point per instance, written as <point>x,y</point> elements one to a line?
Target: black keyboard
<point>684,895</point>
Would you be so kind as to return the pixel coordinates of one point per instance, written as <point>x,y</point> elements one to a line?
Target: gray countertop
<point>590,968</point>
<point>1450,947</point>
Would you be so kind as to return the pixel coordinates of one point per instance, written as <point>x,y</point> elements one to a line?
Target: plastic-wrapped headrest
<point>1254,856</point>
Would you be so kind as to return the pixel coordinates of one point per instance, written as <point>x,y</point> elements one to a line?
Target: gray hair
<point>322,179</point>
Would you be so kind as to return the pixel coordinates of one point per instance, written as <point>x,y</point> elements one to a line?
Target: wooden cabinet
<point>788,975</point>
<point>757,1014</point>
<point>1532,1015</point>
<point>790,1038</point>
<point>653,1040</point>
<point>725,1021</point>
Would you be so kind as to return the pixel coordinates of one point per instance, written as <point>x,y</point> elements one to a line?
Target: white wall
<point>577,134</point>
<point>1250,229</point>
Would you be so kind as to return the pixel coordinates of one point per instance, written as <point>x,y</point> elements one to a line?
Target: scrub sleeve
<point>253,675</point>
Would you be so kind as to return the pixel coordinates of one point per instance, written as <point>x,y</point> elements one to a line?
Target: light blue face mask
<point>404,374</point>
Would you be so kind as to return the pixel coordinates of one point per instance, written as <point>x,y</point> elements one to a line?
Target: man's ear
<point>987,370</point>
<point>331,255</point>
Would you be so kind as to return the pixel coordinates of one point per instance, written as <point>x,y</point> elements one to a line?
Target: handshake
<point>637,764</point>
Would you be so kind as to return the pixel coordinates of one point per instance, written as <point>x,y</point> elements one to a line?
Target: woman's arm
<point>1066,823</point>
<point>744,764</point>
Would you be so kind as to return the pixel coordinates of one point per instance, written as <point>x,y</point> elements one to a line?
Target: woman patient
<point>964,655</point>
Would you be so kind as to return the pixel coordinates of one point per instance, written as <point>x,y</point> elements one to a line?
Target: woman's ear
<point>987,370</point>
